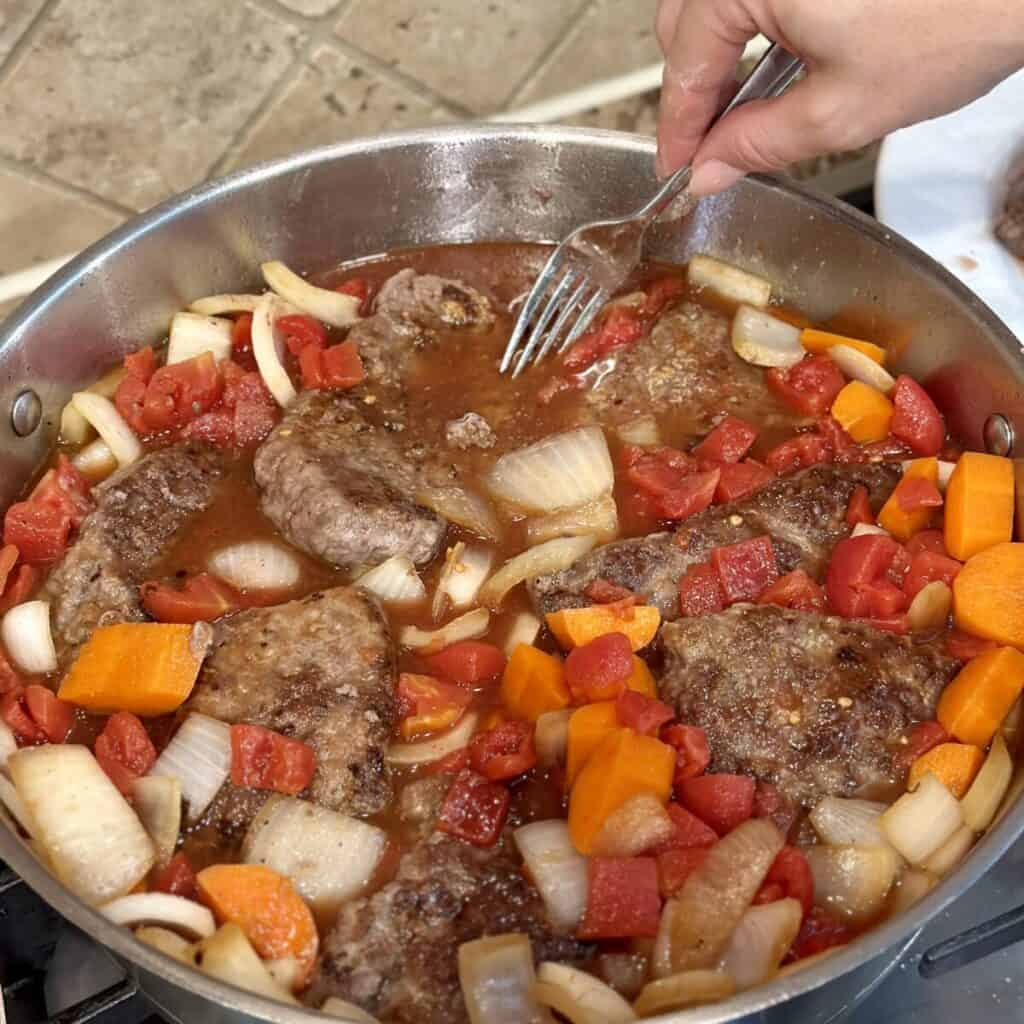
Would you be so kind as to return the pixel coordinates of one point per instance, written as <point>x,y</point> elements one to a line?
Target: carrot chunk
<point>903,524</point>
<point>979,504</point>
<point>533,683</point>
<point>576,626</point>
<point>988,595</point>
<point>863,412</point>
<point>954,764</point>
<point>974,704</point>
<point>588,727</point>
<point>821,341</point>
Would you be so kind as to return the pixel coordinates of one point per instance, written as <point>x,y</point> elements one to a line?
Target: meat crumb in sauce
<point>399,782</point>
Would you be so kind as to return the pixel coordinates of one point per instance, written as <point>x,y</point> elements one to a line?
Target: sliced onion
<point>524,629</point>
<point>462,507</point>
<point>394,581</point>
<point>982,800</point>
<point>760,941</point>
<point>804,962</point>
<point>639,824</point>
<point>643,431</point>
<point>950,853</point>
<point>1011,728</point>
<point>842,822</point>
<point>193,334</point>
<point>922,820</point>
<point>930,607</point>
<point>95,461</point>
<point>558,871</point>
<point>10,799</point>
<point>110,425</point>
<point>199,757</point>
<point>860,529</point>
<point>169,943</point>
<point>426,751</point>
<point>852,882</point>
<point>268,349</point>
<point>728,281</point>
<point>157,801</point>
<point>857,366</point>
<point>161,908</point>
<point>8,744</point>
<point>464,572</point>
<point>549,557</point>
<point>27,637</point>
<point>945,472</point>
<point>335,1007</point>
<point>228,956</point>
<point>256,565</point>
<point>551,736</point>
<point>286,972</point>
<point>217,305</point>
<point>914,885</point>
<point>74,427</point>
<point>580,997</point>
<point>697,922</point>
<point>465,627</point>
<point>688,988</point>
<point>764,340</point>
<point>598,518</point>
<point>328,856</point>
<point>93,838</point>
<point>497,978</point>
<point>331,307</point>
<point>561,471</point>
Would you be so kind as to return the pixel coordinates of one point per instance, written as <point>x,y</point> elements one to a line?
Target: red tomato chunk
<point>794,590</point>
<point>474,809</point>
<point>14,712</point>
<point>428,705</point>
<point>818,932</point>
<point>332,369</point>
<point>623,898</point>
<point>722,801</point>
<point>264,759</point>
<point>124,750</point>
<point>729,441</point>
<point>177,394</point>
<point>810,387</point>
<point>858,509</point>
<point>19,586</point>
<point>916,420</point>
<point>745,569</point>
<point>963,646</point>
<point>468,662</point>
<point>622,326</point>
<point>641,713</point>
<point>176,877</point>
<point>598,670</point>
<point>503,752</point>
<point>676,866</point>
<point>857,582</point>
<point>913,493</point>
<point>692,754</point>
<point>361,289</point>
<point>52,716</point>
<point>929,567</point>
<point>301,331</point>
<point>700,591</point>
<point>921,738</point>
<point>201,598</point>
<point>798,453</point>
<point>738,480</point>
<point>789,877</point>
<point>688,831</point>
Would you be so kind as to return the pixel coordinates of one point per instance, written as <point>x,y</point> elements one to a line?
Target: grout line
<point>26,39</point>
<point>65,188</point>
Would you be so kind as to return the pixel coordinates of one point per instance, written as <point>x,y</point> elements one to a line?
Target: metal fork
<point>592,262</point>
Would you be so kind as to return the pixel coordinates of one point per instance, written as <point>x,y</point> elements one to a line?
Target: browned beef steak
<point>812,703</point>
<point>395,953</point>
<point>139,513</point>
<point>321,669</point>
<point>804,513</point>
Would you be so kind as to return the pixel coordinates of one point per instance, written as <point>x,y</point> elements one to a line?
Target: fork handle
<point>771,76</point>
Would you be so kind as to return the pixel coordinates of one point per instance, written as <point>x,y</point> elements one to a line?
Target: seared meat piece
<point>804,513</point>
<point>339,486</point>
<point>321,669</point>
<point>139,513</point>
<point>816,705</point>
<point>395,953</point>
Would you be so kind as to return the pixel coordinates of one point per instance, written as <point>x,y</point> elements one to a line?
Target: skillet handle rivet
<point>998,435</point>
<point>26,412</point>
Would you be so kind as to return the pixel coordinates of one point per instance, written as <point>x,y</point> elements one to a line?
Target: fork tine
<point>545,318</point>
<point>590,310</point>
<point>533,300</point>
<point>568,307</point>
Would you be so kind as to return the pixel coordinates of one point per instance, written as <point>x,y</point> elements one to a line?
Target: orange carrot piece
<point>267,907</point>
<point>953,764</point>
<point>863,412</point>
<point>979,504</point>
<point>988,595</point>
<point>974,704</point>
<point>641,680</point>
<point>147,668</point>
<point>892,517</point>
<point>821,341</point>
<point>624,765</point>
<point>588,727</point>
<point>533,683</point>
<point>574,627</point>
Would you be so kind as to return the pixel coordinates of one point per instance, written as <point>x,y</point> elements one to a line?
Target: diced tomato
<point>657,471</point>
<point>810,387</point>
<point>693,495</point>
<point>623,900</point>
<point>452,763</point>
<point>926,540</point>
<point>177,394</point>
<point>253,421</point>
<point>689,831</point>
<point>745,569</point>
<point>301,331</point>
<point>729,441</point>
<point>19,587</point>
<point>858,508</point>
<point>856,584</point>
<point>602,591</point>
<point>8,560</point>
<point>468,662</point>
<point>201,598</point>
<point>241,339</point>
<point>767,799</point>
<point>837,439</point>
<point>39,532</point>
<point>215,428</point>
<point>361,288</point>
<point>722,801</point>
<point>124,750</point>
<point>621,326</point>
<point>700,591</point>
<point>176,877</point>
<point>130,401</point>
<point>737,480</point>
<point>331,369</point>
<point>819,931</point>
<point>598,670</point>
<point>794,590</point>
<point>141,364</point>
<point>15,713</point>
<point>254,411</point>
<point>676,866</point>
<point>9,678</point>
<point>798,453</point>
<point>916,419</point>
<point>64,488</point>
<point>641,713</point>
<point>474,809</point>
<point>921,738</point>
<point>913,493</point>
<point>428,705</point>
<point>660,293</point>
<point>53,716</point>
<point>963,646</point>
<point>503,752</point>
<point>692,753</point>
<point>789,877</point>
<point>928,567</point>
<point>264,759</point>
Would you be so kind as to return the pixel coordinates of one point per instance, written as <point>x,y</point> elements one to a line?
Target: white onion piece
<point>465,627</point>
<point>228,956</point>
<point>760,941</point>
<point>843,822</point>
<point>561,471</point>
<point>10,799</point>
<point>462,507</point>
<point>199,757</point>
<point>74,427</point>
<point>328,856</point>
<point>930,607</point>
<point>335,1007</point>
<point>465,569</point>
<point>913,885</point>
<point>551,736</point>
<point>982,800</point>
<point>804,962</point>
<point>286,971</point>
<point>524,629</point>
<point>728,281</point>
<point>95,461</point>
<point>950,853</point>
<point>157,801</point>
<point>93,838</point>
<point>1010,728</point>
<point>27,637</point>
<point>192,335</point>
<point>161,908</point>
<point>852,882</point>
<point>642,431</point>
<point>255,565</point>
<point>331,307</point>
<point>688,988</point>
<point>394,581</point>
<point>857,366</point>
<point>598,518</point>
<point>497,978</point>
<point>580,997</point>
<point>167,942</point>
<point>110,425</point>
<point>433,749</point>
<point>922,820</point>
<point>227,302</point>
<point>639,824</point>
<point>697,922</point>
<point>8,744</point>
<point>268,348</point>
<point>558,871</point>
<point>764,340</point>
<point>860,529</point>
<point>551,556</point>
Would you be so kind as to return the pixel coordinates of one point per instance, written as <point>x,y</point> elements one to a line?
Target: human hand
<point>872,66</point>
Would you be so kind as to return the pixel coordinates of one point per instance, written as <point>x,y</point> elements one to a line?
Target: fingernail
<point>713,176</point>
<point>661,165</point>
